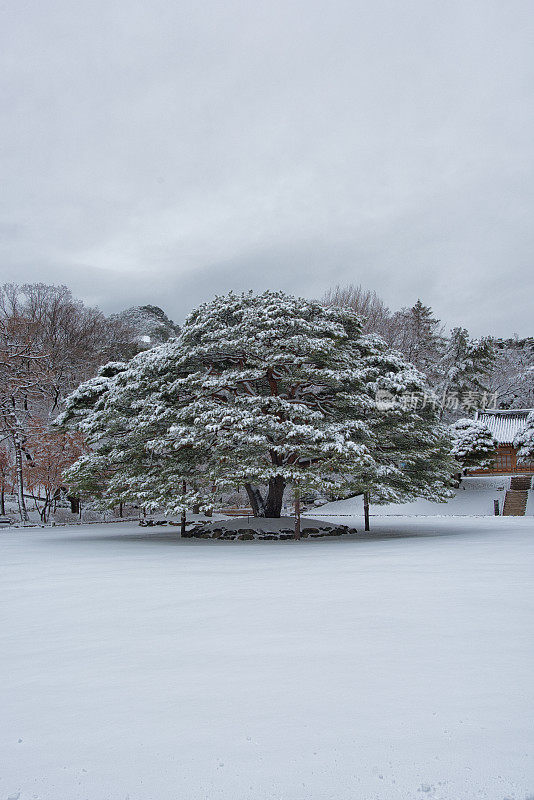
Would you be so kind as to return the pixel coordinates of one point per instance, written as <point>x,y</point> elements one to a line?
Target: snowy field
<point>394,666</point>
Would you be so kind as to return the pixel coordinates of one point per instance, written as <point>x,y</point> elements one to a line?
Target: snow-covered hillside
<point>390,667</point>
<point>474,497</point>
<point>150,324</point>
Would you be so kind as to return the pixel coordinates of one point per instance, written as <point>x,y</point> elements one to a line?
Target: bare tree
<point>76,338</point>
<point>376,316</point>
<point>25,381</point>
<point>6,475</point>
<point>49,343</point>
<point>52,452</point>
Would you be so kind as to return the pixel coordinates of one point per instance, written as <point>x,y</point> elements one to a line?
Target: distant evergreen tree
<point>420,338</point>
<point>524,441</point>
<point>464,367</point>
<point>512,376</point>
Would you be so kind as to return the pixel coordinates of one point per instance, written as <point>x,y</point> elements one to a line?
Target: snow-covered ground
<point>395,666</point>
<point>475,496</point>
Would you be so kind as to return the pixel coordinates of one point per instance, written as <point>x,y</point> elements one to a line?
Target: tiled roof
<point>504,424</point>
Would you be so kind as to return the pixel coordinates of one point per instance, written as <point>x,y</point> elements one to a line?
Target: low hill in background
<point>150,325</point>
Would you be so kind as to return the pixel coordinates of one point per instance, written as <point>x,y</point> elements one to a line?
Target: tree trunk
<point>44,511</point>
<point>3,501</point>
<point>275,496</point>
<point>271,507</point>
<point>256,501</point>
<point>20,478</point>
<point>196,506</point>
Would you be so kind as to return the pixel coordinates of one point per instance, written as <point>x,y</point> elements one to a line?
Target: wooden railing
<point>516,469</point>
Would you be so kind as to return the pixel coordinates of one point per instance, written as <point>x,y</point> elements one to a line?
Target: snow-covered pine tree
<point>93,471</point>
<point>512,377</point>
<point>473,444</point>
<point>464,367</point>
<point>265,391</point>
<point>524,441</point>
<point>420,337</point>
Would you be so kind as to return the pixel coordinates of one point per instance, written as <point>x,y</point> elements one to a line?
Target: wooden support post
<point>183,518</point>
<point>366,510</point>
<point>496,508</point>
<point>297,512</point>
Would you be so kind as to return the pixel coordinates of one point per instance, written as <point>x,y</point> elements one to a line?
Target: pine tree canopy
<point>421,337</point>
<point>466,363</point>
<point>259,391</point>
<point>474,445</point>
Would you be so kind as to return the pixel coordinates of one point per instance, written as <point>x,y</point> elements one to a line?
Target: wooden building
<point>504,425</point>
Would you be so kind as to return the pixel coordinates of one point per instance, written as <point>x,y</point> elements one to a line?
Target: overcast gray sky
<point>164,151</point>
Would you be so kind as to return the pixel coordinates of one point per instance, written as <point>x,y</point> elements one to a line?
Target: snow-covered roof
<point>504,424</point>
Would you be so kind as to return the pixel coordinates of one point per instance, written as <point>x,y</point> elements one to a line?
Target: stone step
<point>521,482</point>
<point>515,503</point>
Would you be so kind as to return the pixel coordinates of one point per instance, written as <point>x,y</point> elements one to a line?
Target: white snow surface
<point>389,666</point>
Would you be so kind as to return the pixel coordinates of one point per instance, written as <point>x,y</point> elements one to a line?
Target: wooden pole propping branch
<point>297,513</point>
<point>183,517</point>
<point>366,510</point>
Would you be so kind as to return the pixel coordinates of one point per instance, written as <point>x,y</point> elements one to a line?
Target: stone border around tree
<point>249,534</point>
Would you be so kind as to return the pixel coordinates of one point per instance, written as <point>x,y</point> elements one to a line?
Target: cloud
<point>163,152</point>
